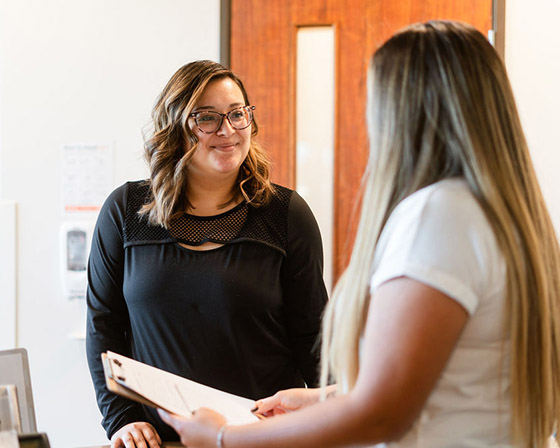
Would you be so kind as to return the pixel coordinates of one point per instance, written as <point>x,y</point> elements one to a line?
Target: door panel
<point>263,55</point>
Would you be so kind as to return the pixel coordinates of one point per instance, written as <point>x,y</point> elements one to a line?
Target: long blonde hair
<point>440,105</point>
<point>171,144</point>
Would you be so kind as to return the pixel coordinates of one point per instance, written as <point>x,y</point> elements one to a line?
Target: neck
<point>207,196</point>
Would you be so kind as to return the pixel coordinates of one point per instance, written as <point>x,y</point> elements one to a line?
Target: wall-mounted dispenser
<point>75,243</point>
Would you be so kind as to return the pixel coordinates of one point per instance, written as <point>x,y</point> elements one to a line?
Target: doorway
<point>264,44</point>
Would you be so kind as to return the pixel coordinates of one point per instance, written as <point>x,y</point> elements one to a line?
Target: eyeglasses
<point>209,121</point>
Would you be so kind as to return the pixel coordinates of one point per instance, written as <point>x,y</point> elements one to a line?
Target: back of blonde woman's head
<point>440,105</point>
<point>171,142</point>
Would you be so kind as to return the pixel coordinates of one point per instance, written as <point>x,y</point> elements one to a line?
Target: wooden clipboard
<point>160,389</point>
<point>121,389</point>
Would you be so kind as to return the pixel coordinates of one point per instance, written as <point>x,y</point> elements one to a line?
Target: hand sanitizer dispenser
<point>75,243</point>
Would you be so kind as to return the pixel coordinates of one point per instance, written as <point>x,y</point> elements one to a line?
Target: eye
<point>206,117</point>
<point>237,115</point>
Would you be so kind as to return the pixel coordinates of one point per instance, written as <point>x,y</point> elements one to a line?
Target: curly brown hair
<point>171,143</point>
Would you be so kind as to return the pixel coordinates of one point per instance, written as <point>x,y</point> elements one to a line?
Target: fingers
<point>166,417</point>
<point>266,405</point>
<point>136,435</point>
<point>257,405</point>
<point>173,420</point>
<point>118,443</point>
<point>176,422</point>
<point>129,440</point>
<point>134,439</point>
<point>199,429</point>
<point>151,436</point>
<point>287,401</point>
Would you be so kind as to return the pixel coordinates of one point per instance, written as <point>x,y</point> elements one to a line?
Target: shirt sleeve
<point>107,314</point>
<point>305,294</point>
<point>442,239</point>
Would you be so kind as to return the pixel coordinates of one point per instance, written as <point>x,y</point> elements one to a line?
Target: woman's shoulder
<point>440,236</point>
<point>449,198</point>
<point>287,197</point>
<point>276,208</point>
<point>129,190</point>
<point>447,190</point>
<point>268,223</point>
<point>137,194</point>
<point>445,215</point>
<point>122,207</point>
<point>137,187</point>
<point>281,193</point>
<point>278,204</point>
<point>288,205</point>
<point>444,210</point>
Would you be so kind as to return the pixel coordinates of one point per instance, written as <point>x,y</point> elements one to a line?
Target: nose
<point>225,128</point>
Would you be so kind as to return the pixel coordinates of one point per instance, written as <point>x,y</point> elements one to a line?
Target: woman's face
<point>221,153</point>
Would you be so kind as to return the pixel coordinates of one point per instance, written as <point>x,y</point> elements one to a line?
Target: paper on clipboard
<point>158,388</point>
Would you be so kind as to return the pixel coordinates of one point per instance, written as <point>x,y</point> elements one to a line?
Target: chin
<point>227,170</point>
<point>228,166</point>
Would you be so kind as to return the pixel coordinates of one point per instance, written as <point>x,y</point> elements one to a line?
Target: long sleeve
<point>107,316</point>
<point>305,294</point>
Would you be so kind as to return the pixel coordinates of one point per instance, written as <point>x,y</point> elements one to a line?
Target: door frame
<point>346,183</point>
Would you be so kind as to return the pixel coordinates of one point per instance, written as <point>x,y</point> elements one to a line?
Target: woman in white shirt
<point>444,330</point>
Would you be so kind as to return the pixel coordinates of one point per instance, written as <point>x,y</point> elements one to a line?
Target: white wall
<point>77,71</point>
<point>533,63</point>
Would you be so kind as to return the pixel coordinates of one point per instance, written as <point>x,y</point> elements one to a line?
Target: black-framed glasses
<point>209,121</point>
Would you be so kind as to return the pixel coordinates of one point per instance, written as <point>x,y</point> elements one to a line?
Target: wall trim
<point>499,26</point>
<point>225,30</point>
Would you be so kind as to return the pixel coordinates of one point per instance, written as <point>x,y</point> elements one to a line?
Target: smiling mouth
<point>225,147</point>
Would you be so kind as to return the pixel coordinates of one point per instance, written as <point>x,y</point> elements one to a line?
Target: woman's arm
<point>107,315</point>
<point>304,291</point>
<point>410,334</point>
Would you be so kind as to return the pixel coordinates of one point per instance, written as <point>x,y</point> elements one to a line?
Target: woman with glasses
<point>444,330</point>
<point>206,269</point>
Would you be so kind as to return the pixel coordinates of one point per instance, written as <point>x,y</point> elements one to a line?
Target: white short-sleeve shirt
<point>440,236</point>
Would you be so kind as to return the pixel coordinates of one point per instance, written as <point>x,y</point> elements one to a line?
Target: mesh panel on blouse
<point>196,230</point>
<point>267,225</point>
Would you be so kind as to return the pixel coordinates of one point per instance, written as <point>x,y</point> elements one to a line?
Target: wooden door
<point>263,54</point>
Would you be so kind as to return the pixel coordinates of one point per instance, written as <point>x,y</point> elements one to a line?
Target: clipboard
<point>160,389</point>
<point>120,388</point>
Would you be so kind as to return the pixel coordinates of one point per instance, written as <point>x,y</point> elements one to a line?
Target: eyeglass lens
<point>210,122</point>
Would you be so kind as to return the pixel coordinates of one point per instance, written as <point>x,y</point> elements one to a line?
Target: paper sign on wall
<point>86,177</point>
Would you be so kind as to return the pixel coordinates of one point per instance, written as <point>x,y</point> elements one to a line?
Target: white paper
<point>86,177</point>
<point>177,394</point>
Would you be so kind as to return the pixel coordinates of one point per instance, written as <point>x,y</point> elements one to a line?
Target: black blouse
<point>243,318</point>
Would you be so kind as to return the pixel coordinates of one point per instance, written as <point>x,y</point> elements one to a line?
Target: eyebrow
<point>232,105</point>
